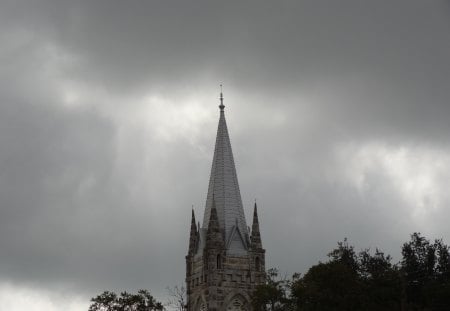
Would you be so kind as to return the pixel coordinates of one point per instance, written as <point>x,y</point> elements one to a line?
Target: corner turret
<point>255,238</point>
<point>193,238</point>
<point>214,237</point>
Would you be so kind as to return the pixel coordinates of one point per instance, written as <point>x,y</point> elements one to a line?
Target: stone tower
<point>225,261</point>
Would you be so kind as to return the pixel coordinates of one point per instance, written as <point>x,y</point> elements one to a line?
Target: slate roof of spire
<point>224,188</point>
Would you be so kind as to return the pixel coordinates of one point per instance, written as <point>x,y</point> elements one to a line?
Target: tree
<point>349,281</point>
<point>271,296</point>
<point>426,267</point>
<point>418,263</point>
<point>365,281</point>
<point>106,301</point>
<point>443,261</point>
<point>345,254</point>
<point>109,301</point>
<point>327,286</point>
<point>177,297</point>
<point>440,298</point>
<point>382,281</point>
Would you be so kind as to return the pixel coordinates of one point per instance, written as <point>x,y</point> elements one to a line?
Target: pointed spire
<point>256,235</point>
<point>213,223</point>
<point>193,236</point>
<point>214,238</point>
<point>224,187</point>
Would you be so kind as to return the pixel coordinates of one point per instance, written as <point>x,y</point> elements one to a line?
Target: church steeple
<point>224,265</point>
<point>224,187</point>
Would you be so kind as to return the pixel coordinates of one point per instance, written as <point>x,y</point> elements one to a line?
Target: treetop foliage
<point>109,301</point>
<point>365,281</point>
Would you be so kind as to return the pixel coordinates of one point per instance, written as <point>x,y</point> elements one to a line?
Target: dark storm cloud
<point>122,43</point>
<point>93,200</point>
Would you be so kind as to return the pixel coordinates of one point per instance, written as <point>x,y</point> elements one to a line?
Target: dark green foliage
<point>345,255</point>
<point>426,268</point>
<point>106,301</point>
<point>327,286</point>
<point>109,301</point>
<point>381,281</point>
<point>272,295</point>
<point>349,282</point>
<point>364,281</point>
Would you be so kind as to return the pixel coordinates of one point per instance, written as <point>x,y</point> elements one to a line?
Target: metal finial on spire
<point>221,99</point>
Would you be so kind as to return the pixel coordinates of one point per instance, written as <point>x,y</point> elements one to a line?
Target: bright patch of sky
<point>19,298</point>
<point>420,174</point>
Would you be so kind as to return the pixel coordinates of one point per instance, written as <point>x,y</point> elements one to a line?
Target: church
<point>225,260</point>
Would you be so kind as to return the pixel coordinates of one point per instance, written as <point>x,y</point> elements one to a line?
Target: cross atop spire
<point>221,106</point>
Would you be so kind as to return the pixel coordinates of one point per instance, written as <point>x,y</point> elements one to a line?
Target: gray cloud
<point>107,128</point>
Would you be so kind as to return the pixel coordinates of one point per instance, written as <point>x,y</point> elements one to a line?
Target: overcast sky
<point>338,112</point>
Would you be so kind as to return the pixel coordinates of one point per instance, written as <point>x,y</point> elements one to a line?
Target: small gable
<point>236,244</point>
